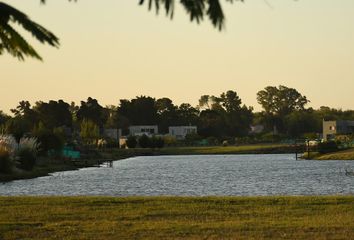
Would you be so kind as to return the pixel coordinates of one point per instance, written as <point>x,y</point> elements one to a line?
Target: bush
<point>27,153</point>
<point>169,140</point>
<point>212,141</point>
<point>26,158</point>
<point>157,142</point>
<point>327,147</point>
<point>144,141</point>
<point>49,141</point>
<point>8,143</point>
<point>131,142</point>
<point>5,161</point>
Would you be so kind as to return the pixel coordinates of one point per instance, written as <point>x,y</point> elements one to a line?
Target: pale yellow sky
<point>114,49</point>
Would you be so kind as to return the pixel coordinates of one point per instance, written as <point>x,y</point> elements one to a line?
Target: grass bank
<point>340,155</point>
<point>177,217</point>
<point>242,149</point>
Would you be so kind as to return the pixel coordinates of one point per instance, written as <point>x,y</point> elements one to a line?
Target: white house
<point>180,132</point>
<point>140,130</point>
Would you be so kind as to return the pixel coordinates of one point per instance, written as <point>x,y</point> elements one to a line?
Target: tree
<point>278,103</point>
<point>167,114</point>
<point>49,139</point>
<point>92,110</point>
<point>224,115</point>
<point>281,101</point>
<point>89,131</point>
<point>3,118</point>
<point>54,113</point>
<point>187,115</point>
<point>209,102</point>
<point>211,123</point>
<point>140,110</point>
<point>16,126</point>
<point>230,101</point>
<point>298,123</point>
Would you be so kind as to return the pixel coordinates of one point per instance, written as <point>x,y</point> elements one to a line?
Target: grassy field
<point>177,218</point>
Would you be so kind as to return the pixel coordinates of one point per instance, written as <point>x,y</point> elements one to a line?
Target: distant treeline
<point>284,113</point>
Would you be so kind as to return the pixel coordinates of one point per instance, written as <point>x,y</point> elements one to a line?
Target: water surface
<point>198,175</point>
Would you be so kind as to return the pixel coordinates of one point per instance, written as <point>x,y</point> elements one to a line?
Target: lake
<point>196,175</point>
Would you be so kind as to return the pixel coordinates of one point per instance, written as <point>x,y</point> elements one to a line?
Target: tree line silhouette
<point>284,114</point>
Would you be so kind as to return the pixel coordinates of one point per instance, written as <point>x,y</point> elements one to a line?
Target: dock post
<point>295,149</point>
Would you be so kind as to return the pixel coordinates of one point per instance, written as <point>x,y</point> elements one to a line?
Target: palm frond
<point>196,9</point>
<point>12,42</point>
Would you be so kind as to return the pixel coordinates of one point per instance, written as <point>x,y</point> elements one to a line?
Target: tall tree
<point>26,115</point>
<point>278,102</point>
<point>54,113</point>
<point>92,110</point>
<point>167,114</point>
<point>3,118</point>
<point>140,110</point>
<point>281,101</point>
<point>187,115</point>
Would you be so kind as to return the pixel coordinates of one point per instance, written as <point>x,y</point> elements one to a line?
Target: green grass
<point>242,149</point>
<point>177,217</point>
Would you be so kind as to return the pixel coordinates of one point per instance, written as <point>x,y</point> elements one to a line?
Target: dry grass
<point>177,218</point>
<point>341,155</point>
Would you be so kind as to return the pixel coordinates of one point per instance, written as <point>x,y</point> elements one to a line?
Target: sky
<point>116,49</point>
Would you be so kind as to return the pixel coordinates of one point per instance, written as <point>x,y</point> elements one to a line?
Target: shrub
<point>212,141</point>
<point>131,142</point>
<point>9,143</point>
<point>327,147</point>
<point>144,141</point>
<point>157,142</point>
<point>27,154</point>
<point>169,140</point>
<point>26,158</point>
<point>5,160</point>
<point>225,143</point>
<point>49,141</point>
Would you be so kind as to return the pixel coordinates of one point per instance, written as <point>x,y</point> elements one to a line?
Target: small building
<point>180,132</point>
<point>148,130</point>
<point>339,127</point>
